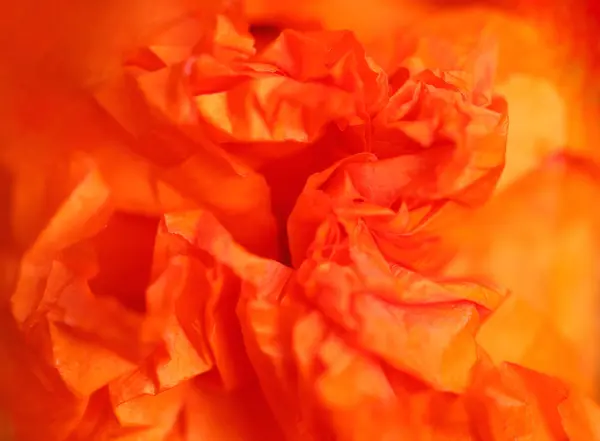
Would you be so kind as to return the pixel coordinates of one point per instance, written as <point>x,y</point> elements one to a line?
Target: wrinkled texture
<point>547,50</point>
<point>330,100</point>
<point>229,234</point>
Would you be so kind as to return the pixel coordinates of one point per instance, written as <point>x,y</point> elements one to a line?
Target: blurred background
<point>542,229</point>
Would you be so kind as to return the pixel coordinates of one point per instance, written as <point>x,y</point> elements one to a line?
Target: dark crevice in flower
<point>456,4</point>
<point>499,104</point>
<point>398,79</point>
<point>124,250</point>
<point>6,204</point>
<point>264,34</point>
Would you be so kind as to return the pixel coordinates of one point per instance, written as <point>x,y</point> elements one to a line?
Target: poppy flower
<point>252,237</point>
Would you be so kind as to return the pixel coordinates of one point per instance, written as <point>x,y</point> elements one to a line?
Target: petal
<point>539,239</point>
<point>510,402</point>
<point>580,417</point>
<point>31,390</point>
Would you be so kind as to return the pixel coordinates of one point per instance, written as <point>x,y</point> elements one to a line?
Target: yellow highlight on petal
<point>537,123</point>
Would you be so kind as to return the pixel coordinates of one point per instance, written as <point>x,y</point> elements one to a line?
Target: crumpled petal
<point>67,293</point>
<point>347,318</point>
<point>434,152</point>
<point>201,335</point>
<point>379,25</point>
<point>289,92</point>
<point>167,153</point>
<point>446,133</point>
<point>387,322</point>
<point>202,233</point>
<point>193,410</point>
<point>409,231</point>
<point>523,79</point>
<point>109,302</point>
<point>510,402</point>
<point>547,93</point>
<point>28,384</point>
<point>225,113</point>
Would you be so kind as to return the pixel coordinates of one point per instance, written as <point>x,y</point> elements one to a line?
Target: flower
<point>251,239</point>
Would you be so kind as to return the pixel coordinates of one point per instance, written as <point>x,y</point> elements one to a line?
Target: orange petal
<point>31,389</point>
<point>581,418</point>
<point>539,239</point>
<point>510,402</point>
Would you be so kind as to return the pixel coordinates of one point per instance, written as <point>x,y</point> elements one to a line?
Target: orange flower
<point>281,238</point>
